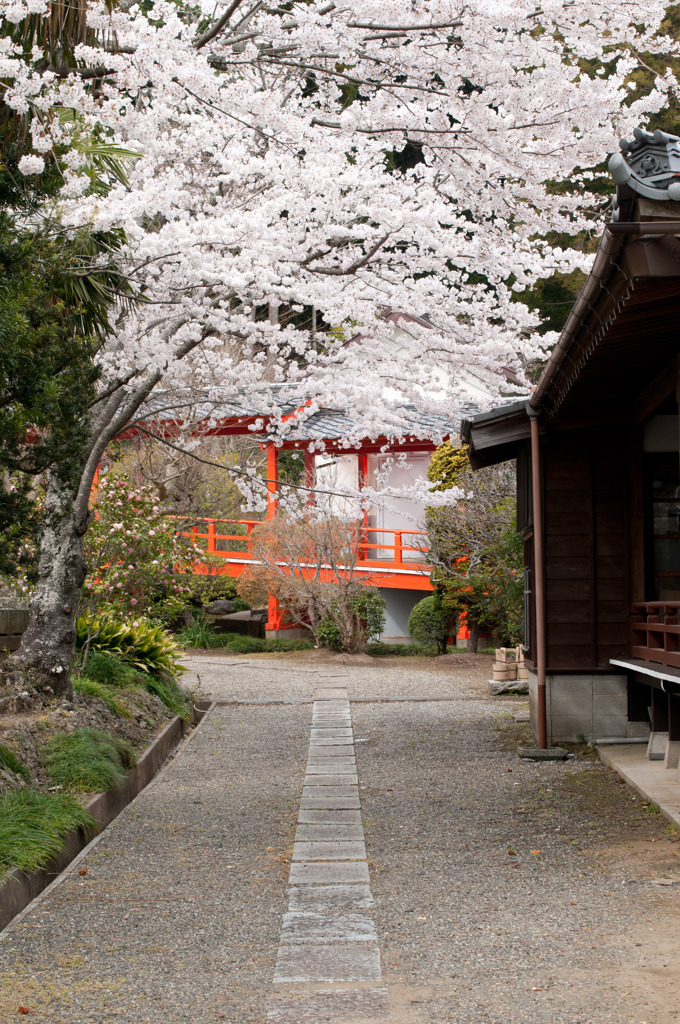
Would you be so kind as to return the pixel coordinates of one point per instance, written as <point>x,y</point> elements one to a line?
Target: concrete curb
<point>18,888</point>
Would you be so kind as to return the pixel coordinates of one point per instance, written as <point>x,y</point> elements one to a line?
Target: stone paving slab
<point>330,832</point>
<point>301,926</point>
<point>335,1007</point>
<point>317,753</point>
<point>311,872</point>
<point>330,766</point>
<point>329,803</point>
<point>333,817</point>
<point>350,850</point>
<point>355,961</point>
<point>335,899</point>
<point>331,732</point>
<point>345,740</point>
<point>314,791</point>
<point>347,779</point>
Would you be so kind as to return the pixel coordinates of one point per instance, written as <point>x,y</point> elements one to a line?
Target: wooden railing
<point>379,548</point>
<point>655,632</point>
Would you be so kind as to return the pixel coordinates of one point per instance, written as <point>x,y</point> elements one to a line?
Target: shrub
<point>245,644</point>
<point>364,616</point>
<point>282,643</point>
<point>33,827</point>
<point>200,589</point>
<point>174,698</point>
<point>133,552</point>
<point>11,763</point>
<point>401,650</point>
<point>200,634</point>
<point>429,623</point>
<point>328,633</point>
<point>91,688</point>
<point>146,647</point>
<point>105,668</point>
<point>88,761</point>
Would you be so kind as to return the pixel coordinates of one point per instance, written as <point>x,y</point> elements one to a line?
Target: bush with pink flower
<point>135,555</point>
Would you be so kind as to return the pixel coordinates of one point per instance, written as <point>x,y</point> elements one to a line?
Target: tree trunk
<point>473,640</point>
<point>48,644</point>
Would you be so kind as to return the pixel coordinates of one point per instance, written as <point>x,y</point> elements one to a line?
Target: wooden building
<point>598,469</point>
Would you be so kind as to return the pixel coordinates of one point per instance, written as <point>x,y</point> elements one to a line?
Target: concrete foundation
<point>588,705</point>
<point>288,634</point>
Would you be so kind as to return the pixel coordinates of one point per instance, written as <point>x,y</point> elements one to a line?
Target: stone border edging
<point>20,888</point>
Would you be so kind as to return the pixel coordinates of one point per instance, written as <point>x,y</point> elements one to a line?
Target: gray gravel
<point>297,676</point>
<point>470,932</point>
<point>178,918</point>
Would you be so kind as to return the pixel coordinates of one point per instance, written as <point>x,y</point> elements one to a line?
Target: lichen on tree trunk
<point>47,647</point>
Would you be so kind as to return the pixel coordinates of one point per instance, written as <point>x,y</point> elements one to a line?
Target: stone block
<point>333,832</point>
<point>351,961</point>
<point>336,817</point>
<point>313,792</point>
<point>577,683</point>
<point>332,766</point>
<point>330,899</point>
<point>672,758</point>
<point>331,803</point>
<point>332,741</point>
<point>611,704</point>
<point>338,1006</point>
<point>656,748</point>
<point>302,927</point>
<point>332,733</point>
<point>564,704</point>
<point>610,685</point>
<point>569,729</point>
<point>330,750</point>
<point>610,725</point>
<point>638,730</point>
<point>328,872</point>
<point>339,779</point>
<point>313,851</point>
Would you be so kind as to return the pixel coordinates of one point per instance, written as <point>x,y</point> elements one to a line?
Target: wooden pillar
<point>272,481</point>
<point>673,749</point>
<point>658,713</point>
<point>539,579</point>
<point>310,477</point>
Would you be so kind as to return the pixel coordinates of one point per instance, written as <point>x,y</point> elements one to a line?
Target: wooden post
<point>272,481</point>
<point>539,580</point>
<point>310,477</point>
<point>212,540</point>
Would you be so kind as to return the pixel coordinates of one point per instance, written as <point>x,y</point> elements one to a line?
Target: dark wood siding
<point>586,548</point>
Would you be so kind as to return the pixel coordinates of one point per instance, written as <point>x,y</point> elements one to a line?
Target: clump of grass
<point>84,685</point>
<point>103,667</point>
<point>171,694</point>
<point>282,643</point>
<point>402,650</point>
<point>88,761</point>
<point>11,763</point>
<point>240,644</point>
<point>33,827</point>
<point>200,634</point>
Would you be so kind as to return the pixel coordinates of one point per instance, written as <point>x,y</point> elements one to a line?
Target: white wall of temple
<point>398,513</point>
<point>336,473</point>
<point>400,604</point>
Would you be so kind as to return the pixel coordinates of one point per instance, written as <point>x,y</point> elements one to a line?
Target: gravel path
<point>504,892</point>
<point>177,920</point>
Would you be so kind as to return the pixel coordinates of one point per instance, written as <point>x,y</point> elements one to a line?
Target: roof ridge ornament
<point>650,166</point>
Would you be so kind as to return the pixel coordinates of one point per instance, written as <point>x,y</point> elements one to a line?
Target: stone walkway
<point>349,858</point>
<point>327,935</point>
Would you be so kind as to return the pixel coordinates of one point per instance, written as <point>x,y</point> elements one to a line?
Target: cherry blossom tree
<point>333,156</point>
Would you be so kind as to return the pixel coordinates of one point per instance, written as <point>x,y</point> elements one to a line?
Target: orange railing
<point>379,548</point>
<point>655,632</point>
